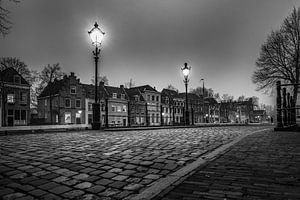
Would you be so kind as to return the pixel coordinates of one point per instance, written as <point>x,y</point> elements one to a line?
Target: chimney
<point>122,86</point>
<point>72,74</point>
<point>78,80</point>
<point>101,83</point>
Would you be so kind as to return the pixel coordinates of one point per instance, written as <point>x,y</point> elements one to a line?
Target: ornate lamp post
<point>186,71</point>
<point>203,110</point>
<point>96,35</point>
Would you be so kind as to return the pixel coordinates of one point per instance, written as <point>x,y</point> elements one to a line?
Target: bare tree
<point>5,23</point>
<point>130,84</point>
<point>46,78</point>
<point>100,78</point>
<point>279,56</point>
<point>227,97</point>
<point>171,87</point>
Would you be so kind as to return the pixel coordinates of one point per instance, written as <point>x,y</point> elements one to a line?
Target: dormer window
<point>17,79</point>
<point>73,89</point>
<point>114,95</point>
<point>122,96</point>
<point>136,98</point>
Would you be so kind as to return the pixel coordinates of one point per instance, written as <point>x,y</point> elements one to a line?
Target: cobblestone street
<point>261,166</point>
<point>101,165</point>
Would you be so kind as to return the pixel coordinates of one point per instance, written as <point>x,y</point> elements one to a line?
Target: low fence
<point>286,106</point>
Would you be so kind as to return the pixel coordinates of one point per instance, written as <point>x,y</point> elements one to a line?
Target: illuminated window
<point>124,108</point>
<point>10,98</point>
<point>118,108</point>
<point>89,106</point>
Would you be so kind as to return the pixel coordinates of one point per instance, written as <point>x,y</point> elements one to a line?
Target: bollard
<point>289,110</point>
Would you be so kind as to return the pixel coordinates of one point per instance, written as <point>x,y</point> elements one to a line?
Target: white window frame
<point>71,88</point>
<point>66,104</point>
<point>114,95</point>
<point>76,100</point>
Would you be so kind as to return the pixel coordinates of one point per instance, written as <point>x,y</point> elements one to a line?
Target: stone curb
<point>180,175</point>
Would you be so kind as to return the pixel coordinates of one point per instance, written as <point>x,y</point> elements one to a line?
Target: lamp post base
<point>96,116</point>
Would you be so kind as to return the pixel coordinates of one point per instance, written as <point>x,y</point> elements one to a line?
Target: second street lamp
<point>96,35</point>
<point>186,71</point>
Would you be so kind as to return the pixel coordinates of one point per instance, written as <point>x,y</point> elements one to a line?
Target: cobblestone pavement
<point>261,166</point>
<point>101,165</point>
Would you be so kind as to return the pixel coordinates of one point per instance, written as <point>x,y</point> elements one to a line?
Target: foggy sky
<point>149,40</point>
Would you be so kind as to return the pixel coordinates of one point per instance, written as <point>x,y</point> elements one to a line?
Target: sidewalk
<point>261,166</point>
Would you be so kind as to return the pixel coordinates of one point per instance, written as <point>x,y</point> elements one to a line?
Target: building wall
<point>17,113</point>
<point>153,107</point>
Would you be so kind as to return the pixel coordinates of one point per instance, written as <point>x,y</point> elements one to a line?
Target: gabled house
<point>152,104</point>
<point>137,108</point>
<point>15,98</point>
<point>62,102</point>
<point>113,105</point>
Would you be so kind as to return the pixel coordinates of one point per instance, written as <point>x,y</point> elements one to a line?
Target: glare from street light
<point>96,35</point>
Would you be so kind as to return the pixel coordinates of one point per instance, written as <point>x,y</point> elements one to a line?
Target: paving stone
<point>115,170</point>
<point>73,194</point>
<point>50,197</point>
<point>133,187</point>
<point>37,192</point>
<point>109,192</point>
<point>96,189</point>
<point>103,182</point>
<point>71,182</point>
<point>120,178</point>
<point>108,175</point>
<point>152,176</point>
<point>18,176</point>
<point>48,186</point>
<point>81,176</point>
<point>5,191</point>
<point>13,196</point>
<point>118,184</point>
<point>60,179</point>
<point>83,185</point>
<point>60,189</point>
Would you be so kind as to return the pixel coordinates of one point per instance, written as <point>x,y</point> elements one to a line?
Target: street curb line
<point>181,174</point>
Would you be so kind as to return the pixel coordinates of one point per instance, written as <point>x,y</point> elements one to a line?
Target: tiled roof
<point>52,88</point>
<point>8,75</point>
<point>145,87</point>
<point>132,92</point>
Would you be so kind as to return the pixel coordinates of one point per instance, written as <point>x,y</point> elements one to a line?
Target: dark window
<point>10,112</point>
<point>17,114</point>
<point>73,89</point>
<point>68,103</point>
<point>23,114</point>
<point>78,103</point>
<point>153,97</point>
<point>17,79</point>
<point>157,98</point>
<point>23,96</point>
<point>102,107</point>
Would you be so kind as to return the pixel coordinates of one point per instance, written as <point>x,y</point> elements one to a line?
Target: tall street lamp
<point>203,90</point>
<point>186,71</point>
<point>96,35</point>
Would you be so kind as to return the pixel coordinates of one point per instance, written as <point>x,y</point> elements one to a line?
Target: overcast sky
<point>149,40</point>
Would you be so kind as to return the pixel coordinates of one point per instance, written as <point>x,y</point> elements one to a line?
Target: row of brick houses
<point>137,106</point>
<point>71,103</point>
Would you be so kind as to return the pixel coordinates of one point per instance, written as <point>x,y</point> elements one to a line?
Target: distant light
<point>96,35</point>
<point>79,111</point>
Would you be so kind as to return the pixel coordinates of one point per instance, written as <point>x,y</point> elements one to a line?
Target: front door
<point>10,120</point>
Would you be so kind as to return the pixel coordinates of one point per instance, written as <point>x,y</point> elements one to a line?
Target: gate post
<point>285,121</point>
<point>278,102</point>
<point>293,110</point>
